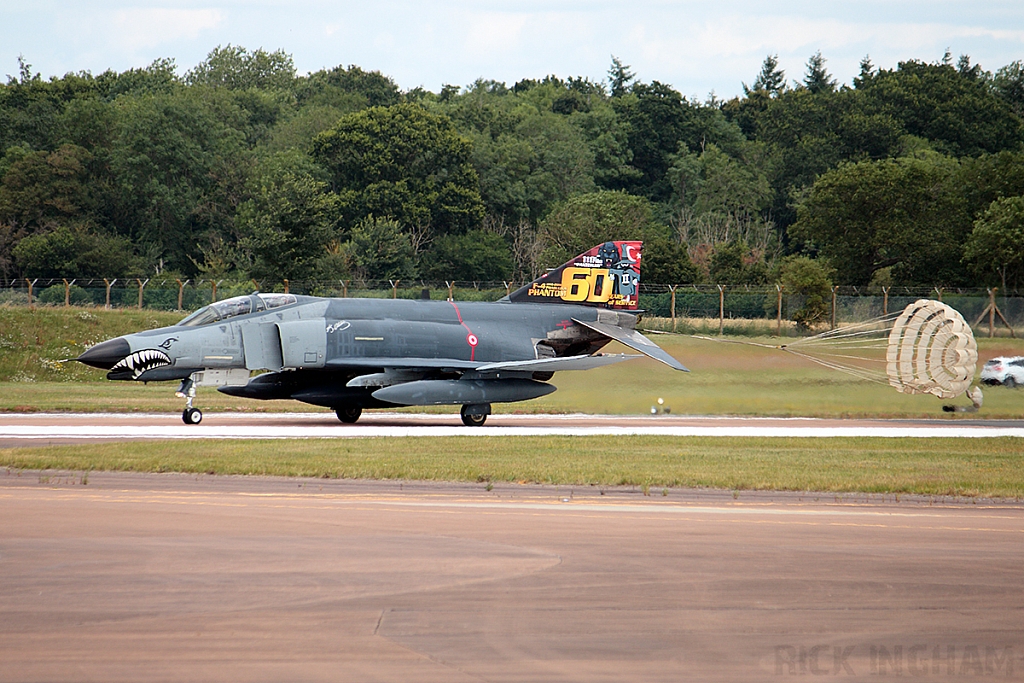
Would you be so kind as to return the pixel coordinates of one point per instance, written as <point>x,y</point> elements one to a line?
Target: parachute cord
<point>855,372</point>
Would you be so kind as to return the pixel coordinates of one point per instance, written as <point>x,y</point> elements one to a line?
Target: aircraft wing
<point>558,364</point>
<point>633,340</point>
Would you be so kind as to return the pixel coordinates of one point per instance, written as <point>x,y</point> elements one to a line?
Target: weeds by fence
<point>700,308</point>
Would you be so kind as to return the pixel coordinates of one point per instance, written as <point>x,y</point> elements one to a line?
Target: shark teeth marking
<point>142,361</point>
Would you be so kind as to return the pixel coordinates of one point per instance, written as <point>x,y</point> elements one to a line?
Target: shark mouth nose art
<point>141,361</point>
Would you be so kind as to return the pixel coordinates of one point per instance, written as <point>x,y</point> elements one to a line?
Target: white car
<point>1008,371</point>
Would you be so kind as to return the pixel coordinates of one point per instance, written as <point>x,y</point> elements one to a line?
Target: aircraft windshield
<point>236,306</point>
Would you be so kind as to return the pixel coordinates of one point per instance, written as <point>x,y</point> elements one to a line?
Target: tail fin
<point>607,275</point>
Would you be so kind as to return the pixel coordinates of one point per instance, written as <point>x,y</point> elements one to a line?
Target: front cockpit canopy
<point>236,306</point>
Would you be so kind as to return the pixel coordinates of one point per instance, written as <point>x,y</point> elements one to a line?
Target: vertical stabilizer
<point>607,275</point>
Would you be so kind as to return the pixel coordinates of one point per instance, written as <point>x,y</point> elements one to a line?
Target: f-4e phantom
<point>352,354</point>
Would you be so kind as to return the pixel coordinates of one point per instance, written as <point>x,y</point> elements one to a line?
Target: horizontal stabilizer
<point>558,364</point>
<point>633,340</point>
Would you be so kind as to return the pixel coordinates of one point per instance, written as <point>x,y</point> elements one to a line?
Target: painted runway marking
<point>42,427</point>
<point>131,432</point>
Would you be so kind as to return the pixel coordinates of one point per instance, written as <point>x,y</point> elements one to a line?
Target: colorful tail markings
<point>607,275</point>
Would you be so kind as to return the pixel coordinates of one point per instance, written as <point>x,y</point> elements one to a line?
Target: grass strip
<point>989,467</point>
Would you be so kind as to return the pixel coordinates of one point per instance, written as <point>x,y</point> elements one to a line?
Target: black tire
<point>348,414</point>
<point>1009,382</point>
<point>472,420</point>
<point>192,416</point>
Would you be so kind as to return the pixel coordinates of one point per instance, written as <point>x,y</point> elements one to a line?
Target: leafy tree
<point>585,220</point>
<point>348,89</point>
<point>41,187</point>
<point>178,166</point>
<point>996,245</point>
<point>479,255</point>
<point>237,68</point>
<point>905,213</point>
<point>1008,84</point>
<point>808,282</point>
<point>380,250</point>
<point>288,222</point>
<point>405,163</point>
<point>658,120</point>
<point>68,250</point>
<point>959,112</point>
<point>733,263</point>
<point>817,79</point>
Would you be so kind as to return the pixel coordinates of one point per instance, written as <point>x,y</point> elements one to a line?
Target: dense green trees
<point>242,167</point>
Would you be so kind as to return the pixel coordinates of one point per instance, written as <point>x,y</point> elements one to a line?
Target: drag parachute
<point>931,351</point>
<point>927,349</point>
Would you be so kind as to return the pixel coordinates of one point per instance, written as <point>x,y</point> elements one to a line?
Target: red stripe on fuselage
<point>469,332</point>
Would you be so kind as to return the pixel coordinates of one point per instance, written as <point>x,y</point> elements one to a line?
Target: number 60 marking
<point>586,284</point>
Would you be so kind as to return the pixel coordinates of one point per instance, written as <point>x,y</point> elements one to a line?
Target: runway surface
<point>134,577</point>
<point>34,429</point>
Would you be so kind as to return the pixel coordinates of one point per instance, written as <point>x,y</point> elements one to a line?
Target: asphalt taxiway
<point>142,577</point>
<point>57,428</point>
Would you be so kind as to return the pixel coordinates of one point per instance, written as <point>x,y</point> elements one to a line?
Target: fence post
<point>834,290</point>
<point>256,285</point>
<point>30,283</point>
<point>992,311</point>
<point>938,290</point>
<point>394,288</point>
<point>109,284</point>
<point>672,288</point>
<point>286,286</point>
<point>885,300</point>
<point>450,286</point>
<point>508,287</point>
<point>778,314</point>
<point>141,286</point>
<point>721,309</point>
<point>181,287</point>
<point>344,289</point>
<point>67,293</point>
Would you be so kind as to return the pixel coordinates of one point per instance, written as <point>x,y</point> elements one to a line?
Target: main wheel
<point>1009,382</point>
<point>349,414</point>
<point>472,420</point>
<point>192,416</point>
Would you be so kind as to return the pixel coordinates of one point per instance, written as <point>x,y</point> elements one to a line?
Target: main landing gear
<point>187,391</point>
<point>348,414</point>
<point>475,415</point>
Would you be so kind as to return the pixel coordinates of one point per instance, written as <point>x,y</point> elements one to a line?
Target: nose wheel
<point>187,390</point>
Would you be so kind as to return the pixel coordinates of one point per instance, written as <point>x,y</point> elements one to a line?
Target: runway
<point>28,429</point>
<point>136,577</point>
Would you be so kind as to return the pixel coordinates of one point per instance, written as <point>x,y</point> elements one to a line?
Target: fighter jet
<point>353,354</point>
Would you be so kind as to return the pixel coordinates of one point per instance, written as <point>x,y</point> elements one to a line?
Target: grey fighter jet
<point>351,354</point>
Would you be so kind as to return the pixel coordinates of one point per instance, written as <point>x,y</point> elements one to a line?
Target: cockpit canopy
<point>236,306</point>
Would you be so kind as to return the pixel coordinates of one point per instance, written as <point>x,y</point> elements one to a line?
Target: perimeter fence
<point>737,309</point>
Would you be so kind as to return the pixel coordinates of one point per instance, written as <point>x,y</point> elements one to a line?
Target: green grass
<point>946,467</point>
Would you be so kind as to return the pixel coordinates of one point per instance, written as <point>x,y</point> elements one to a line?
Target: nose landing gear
<point>187,391</point>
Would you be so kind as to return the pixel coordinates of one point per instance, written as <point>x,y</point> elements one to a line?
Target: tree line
<point>242,168</point>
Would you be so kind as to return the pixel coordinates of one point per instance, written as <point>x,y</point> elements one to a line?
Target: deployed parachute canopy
<point>929,349</point>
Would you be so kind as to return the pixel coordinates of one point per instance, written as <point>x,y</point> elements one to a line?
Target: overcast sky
<point>697,47</point>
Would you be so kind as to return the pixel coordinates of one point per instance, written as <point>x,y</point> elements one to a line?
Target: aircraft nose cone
<point>105,354</point>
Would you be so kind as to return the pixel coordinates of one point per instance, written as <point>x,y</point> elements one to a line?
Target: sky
<point>696,47</point>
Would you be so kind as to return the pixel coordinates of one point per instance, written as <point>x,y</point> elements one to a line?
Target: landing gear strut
<point>348,414</point>
<point>475,415</point>
<point>187,390</point>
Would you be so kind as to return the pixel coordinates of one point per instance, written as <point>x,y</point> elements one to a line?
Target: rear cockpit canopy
<point>236,306</point>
